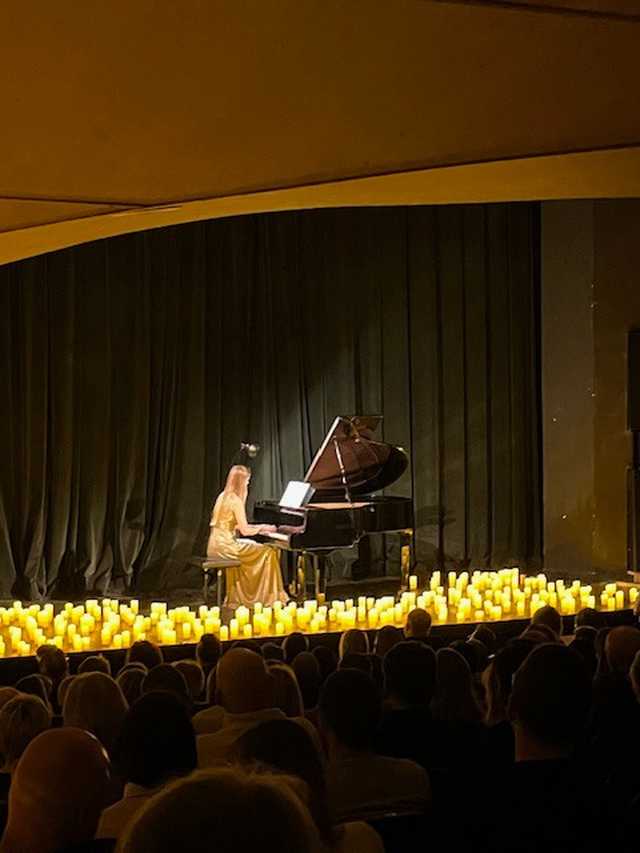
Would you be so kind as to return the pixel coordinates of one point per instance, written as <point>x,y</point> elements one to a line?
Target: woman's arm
<point>243,526</point>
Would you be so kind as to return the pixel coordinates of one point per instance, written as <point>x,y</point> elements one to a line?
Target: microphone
<point>250,449</point>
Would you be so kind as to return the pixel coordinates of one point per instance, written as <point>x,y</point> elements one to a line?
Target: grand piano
<point>347,470</point>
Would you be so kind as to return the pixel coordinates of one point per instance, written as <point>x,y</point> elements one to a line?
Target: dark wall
<point>130,370</point>
<point>591,300</point>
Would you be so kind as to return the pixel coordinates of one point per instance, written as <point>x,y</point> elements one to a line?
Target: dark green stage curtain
<point>132,368</point>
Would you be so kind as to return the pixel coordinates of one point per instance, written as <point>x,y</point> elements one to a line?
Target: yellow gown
<point>259,577</point>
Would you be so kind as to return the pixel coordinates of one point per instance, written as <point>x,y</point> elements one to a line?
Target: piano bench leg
<point>205,585</point>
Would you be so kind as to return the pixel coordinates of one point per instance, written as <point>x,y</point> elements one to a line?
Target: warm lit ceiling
<point>211,107</point>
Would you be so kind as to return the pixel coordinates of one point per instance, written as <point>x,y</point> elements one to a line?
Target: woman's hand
<point>268,528</point>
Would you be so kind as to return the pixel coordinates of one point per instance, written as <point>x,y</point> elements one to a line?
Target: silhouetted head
<point>95,663</point>
<point>166,677</point>
<point>550,617</point>
<point>146,652</point>
<point>273,652</point>
<point>21,720</point>
<point>591,617</point>
<point>307,671</point>
<point>156,741</point>
<point>35,685</point>
<point>386,638</point>
<point>209,810</point>
<point>243,682</point>
<point>350,709</point>
<point>551,697</point>
<point>94,702</point>
<point>410,673</point>
<point>194,676</point>
<point>418,625</point>
<point>293,644</point>
<point>327,661</point>
<point>208,651</point>
<point>286,692</point>
<point>621,646</point>
<point>130,682</point>
<point>58,791</point>
<point>353,641</point>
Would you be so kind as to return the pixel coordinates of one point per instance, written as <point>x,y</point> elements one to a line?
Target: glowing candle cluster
<point>466,597</point>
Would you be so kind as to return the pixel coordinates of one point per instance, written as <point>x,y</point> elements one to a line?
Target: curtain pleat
<point>132,368</point>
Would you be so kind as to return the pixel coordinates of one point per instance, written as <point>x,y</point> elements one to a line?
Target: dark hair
<point>307,670</point>
<point>294,644</point>
<point>130,680</point>
<point>156,741</point>
<point>95,663</point>
<point>551,695</point>
<point>166,677</point>
<point>550,617</point>
<point>35,685</point>
<point>286,746</point>
<point>588,616</point>
<point>249,644</point>
<point>273,652</point>
<point>145,652</point>
<point>386,638</point>
<point>410,672</point>
<point>467,651</point>
<point>486,636</point>
<point>208,651</point>
<point>357,660</point>
<point>52,662</point>
<point>351,708</point>
<point>327,661</point>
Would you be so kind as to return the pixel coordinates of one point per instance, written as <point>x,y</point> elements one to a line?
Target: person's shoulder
<point>359,837</point>
<point>209,720</point>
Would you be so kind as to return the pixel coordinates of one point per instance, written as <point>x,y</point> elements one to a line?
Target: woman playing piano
<point>258,578</point>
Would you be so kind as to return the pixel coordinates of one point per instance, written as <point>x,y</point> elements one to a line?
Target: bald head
<point>418,625</point>
<point>243,682</point>
<point>621,646</point>
<point>57,792</point>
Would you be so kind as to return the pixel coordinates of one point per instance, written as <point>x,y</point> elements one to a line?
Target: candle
<point>224,633</point>
<point>619,599</point>
<point>413,582</point>
<point>233,629</point>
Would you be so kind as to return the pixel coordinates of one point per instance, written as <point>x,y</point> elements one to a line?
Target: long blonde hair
<point>237,484</point>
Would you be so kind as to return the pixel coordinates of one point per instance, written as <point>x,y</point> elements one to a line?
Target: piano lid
<point>369,465</point>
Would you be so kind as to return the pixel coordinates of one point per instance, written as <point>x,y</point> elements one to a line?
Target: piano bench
<point>219,566</point>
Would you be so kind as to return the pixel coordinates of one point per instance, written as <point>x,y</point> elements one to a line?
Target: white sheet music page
<point>296,494</point>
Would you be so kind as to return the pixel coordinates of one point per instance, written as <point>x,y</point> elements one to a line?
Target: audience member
<point>480,654</point>
<point>548,801</point>
<point>166,677</point>
<point>146,652</point>
<point>95,663</point>
<point>286,693</point>
<point>485,635</point>
<point>539,634</point>
<point>454,700</point>
<point>550,617</point>
<point>353,641</point>
<point>497,679</point>
<point>634,675</point>
<point>466,651</point>
<point>284,746</point>
<point>293,644</point>
<point>156,744</point>
<point>94,702</point>
<point>21,720</point>
<point>249,643</point>
<point>418,626</point>
<point>210,811</point>
<point>360,782</point>
<point>193,674</point>
<point>584,644</point>
<point>208,652</point>
<point>406,729</point>
<point>589,616</point>
<point>272,652</point>
<point>57,793</point>
<point>386,638</point>
<point>621,646</point>
<point>307,670</point>
<point>130,682</point>
<point>52,663</point>
<point>601,638</point>
<point>327,661</point>
<point>245,690</point>
<point>35,685</point>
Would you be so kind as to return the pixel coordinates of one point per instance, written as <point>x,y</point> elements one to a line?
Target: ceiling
<point>211,107</point>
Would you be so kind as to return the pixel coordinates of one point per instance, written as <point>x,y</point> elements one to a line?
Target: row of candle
<point>479,596</point>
